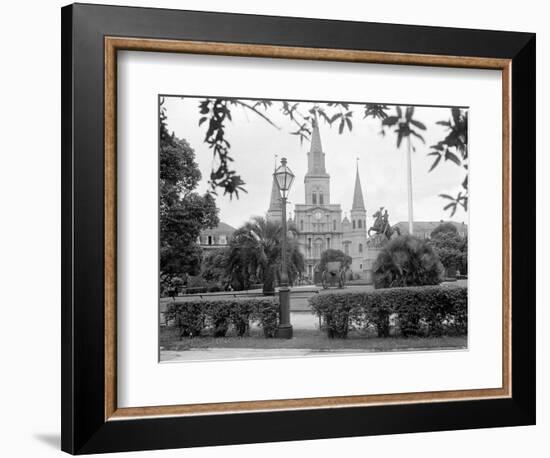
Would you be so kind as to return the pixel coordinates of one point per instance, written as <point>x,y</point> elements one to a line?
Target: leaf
<point>399,137</point>
<point>418,124</point>
<point>335,117</point>
<point>348,122</point>
<point>204,118</point>
<point>456,115</point>
<point>399,111</point>
<point>341,127</point>
<point>390,121</point>
<point>449,156</point>
<point>447,196</point>
<point>417,135</point>
<point>434,165</point>
<point>408,113</point>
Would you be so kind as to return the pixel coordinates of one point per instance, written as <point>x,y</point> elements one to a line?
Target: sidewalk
<point>247,353</point>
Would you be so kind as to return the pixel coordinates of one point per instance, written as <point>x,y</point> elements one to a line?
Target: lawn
<point>312,339</point>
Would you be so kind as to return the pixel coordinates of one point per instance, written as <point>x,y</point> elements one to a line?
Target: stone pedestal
<point>374,247</point>
<point>372,254</point>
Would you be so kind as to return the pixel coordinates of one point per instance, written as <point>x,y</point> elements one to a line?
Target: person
<point>386,221</point>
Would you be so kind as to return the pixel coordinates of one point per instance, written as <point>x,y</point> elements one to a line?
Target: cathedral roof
<point>358,202</point>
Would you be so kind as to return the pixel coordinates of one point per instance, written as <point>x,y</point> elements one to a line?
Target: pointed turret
<point>275,210</point>
<point>358,202</point>
<point>316,157</point>
<point>316,180</point>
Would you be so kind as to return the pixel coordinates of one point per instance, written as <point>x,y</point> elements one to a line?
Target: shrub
<point>426,310</point>
<point>198,285</point>
<point>267,314</point>
<point>407,261</point>
<point>189,317</point>
<point>444,228</point>
<point>241,313</point>
<point>218,314</point>
<point>193,316</point>
<point>338,311</point>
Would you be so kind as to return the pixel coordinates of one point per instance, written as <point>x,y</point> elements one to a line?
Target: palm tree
<point>407,261</point>
<point>404,129</point>
<point>255,253</point>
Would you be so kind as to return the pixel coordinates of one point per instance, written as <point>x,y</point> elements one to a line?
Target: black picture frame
<point>84,428</point>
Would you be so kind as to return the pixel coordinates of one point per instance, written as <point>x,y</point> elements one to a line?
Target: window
<point>353,224</point>
<point>223,240</point>
<point>301,224</point>
<point>209,242</point>
<point>346,248</point>
<point>359,223</point>
<point>314,198</point>
<point>321,198</point>
<point>360,266</point>
<point>360,248</point>
<point>334,225</point>
<point>328,243</point>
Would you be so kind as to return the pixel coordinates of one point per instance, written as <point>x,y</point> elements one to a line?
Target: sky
<point>382,166</point>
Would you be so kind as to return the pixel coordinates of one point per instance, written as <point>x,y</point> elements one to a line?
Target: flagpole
<point>409,185</point>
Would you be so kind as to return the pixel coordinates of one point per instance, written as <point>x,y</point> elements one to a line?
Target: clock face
<point>318,215</point>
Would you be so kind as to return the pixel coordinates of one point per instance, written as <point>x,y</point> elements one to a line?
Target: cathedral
<point>319,221</point>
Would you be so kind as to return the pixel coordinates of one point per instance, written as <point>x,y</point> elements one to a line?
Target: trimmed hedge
<point>196,316</point>
<point>417,311</point>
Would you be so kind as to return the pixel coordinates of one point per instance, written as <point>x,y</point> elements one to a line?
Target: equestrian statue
<point>382,226</point>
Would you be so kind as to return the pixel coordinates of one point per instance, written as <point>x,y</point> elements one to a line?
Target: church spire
<point>316,157</point>
<point>275,208</point>
<point>358,202</point>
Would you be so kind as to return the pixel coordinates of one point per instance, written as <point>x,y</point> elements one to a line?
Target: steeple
<point>358,202</point>
<point>275,210</point>
<point>316,157</point>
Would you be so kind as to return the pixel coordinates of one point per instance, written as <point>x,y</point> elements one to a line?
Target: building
<point>423,229</point>
<point>318,220</point>
<point>217,237</point>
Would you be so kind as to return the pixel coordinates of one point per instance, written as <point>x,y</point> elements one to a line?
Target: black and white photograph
<point>298,228</point>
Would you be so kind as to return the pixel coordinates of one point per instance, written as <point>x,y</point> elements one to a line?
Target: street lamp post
<point>284,178</point>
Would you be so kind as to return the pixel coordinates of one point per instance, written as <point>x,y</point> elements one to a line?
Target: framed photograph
<point>271,221</point>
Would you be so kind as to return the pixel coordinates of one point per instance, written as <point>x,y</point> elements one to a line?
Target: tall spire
<point>358,202</point>
<point>316,157</point>
<point>275,208</point>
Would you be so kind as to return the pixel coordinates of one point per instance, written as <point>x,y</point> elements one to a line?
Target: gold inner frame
<point>114,44</point>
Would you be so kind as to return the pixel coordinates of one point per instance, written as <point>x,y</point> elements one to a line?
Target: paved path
<point>209,354</point>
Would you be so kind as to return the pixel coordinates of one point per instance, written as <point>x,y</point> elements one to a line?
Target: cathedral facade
<point>318,221</point>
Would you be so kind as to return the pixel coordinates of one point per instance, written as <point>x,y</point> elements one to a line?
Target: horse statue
<point>382,226</point>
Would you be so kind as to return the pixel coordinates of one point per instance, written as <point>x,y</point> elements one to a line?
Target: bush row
<point>194,317</point>
<point>416,311</point>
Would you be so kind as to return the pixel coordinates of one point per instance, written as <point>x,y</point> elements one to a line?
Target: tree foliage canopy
<point>214,114</point>
<point>183,212</point>
<point>255,253</point>
<point>446,227</point>
<point>451,248</point>
<point>331,255</point>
